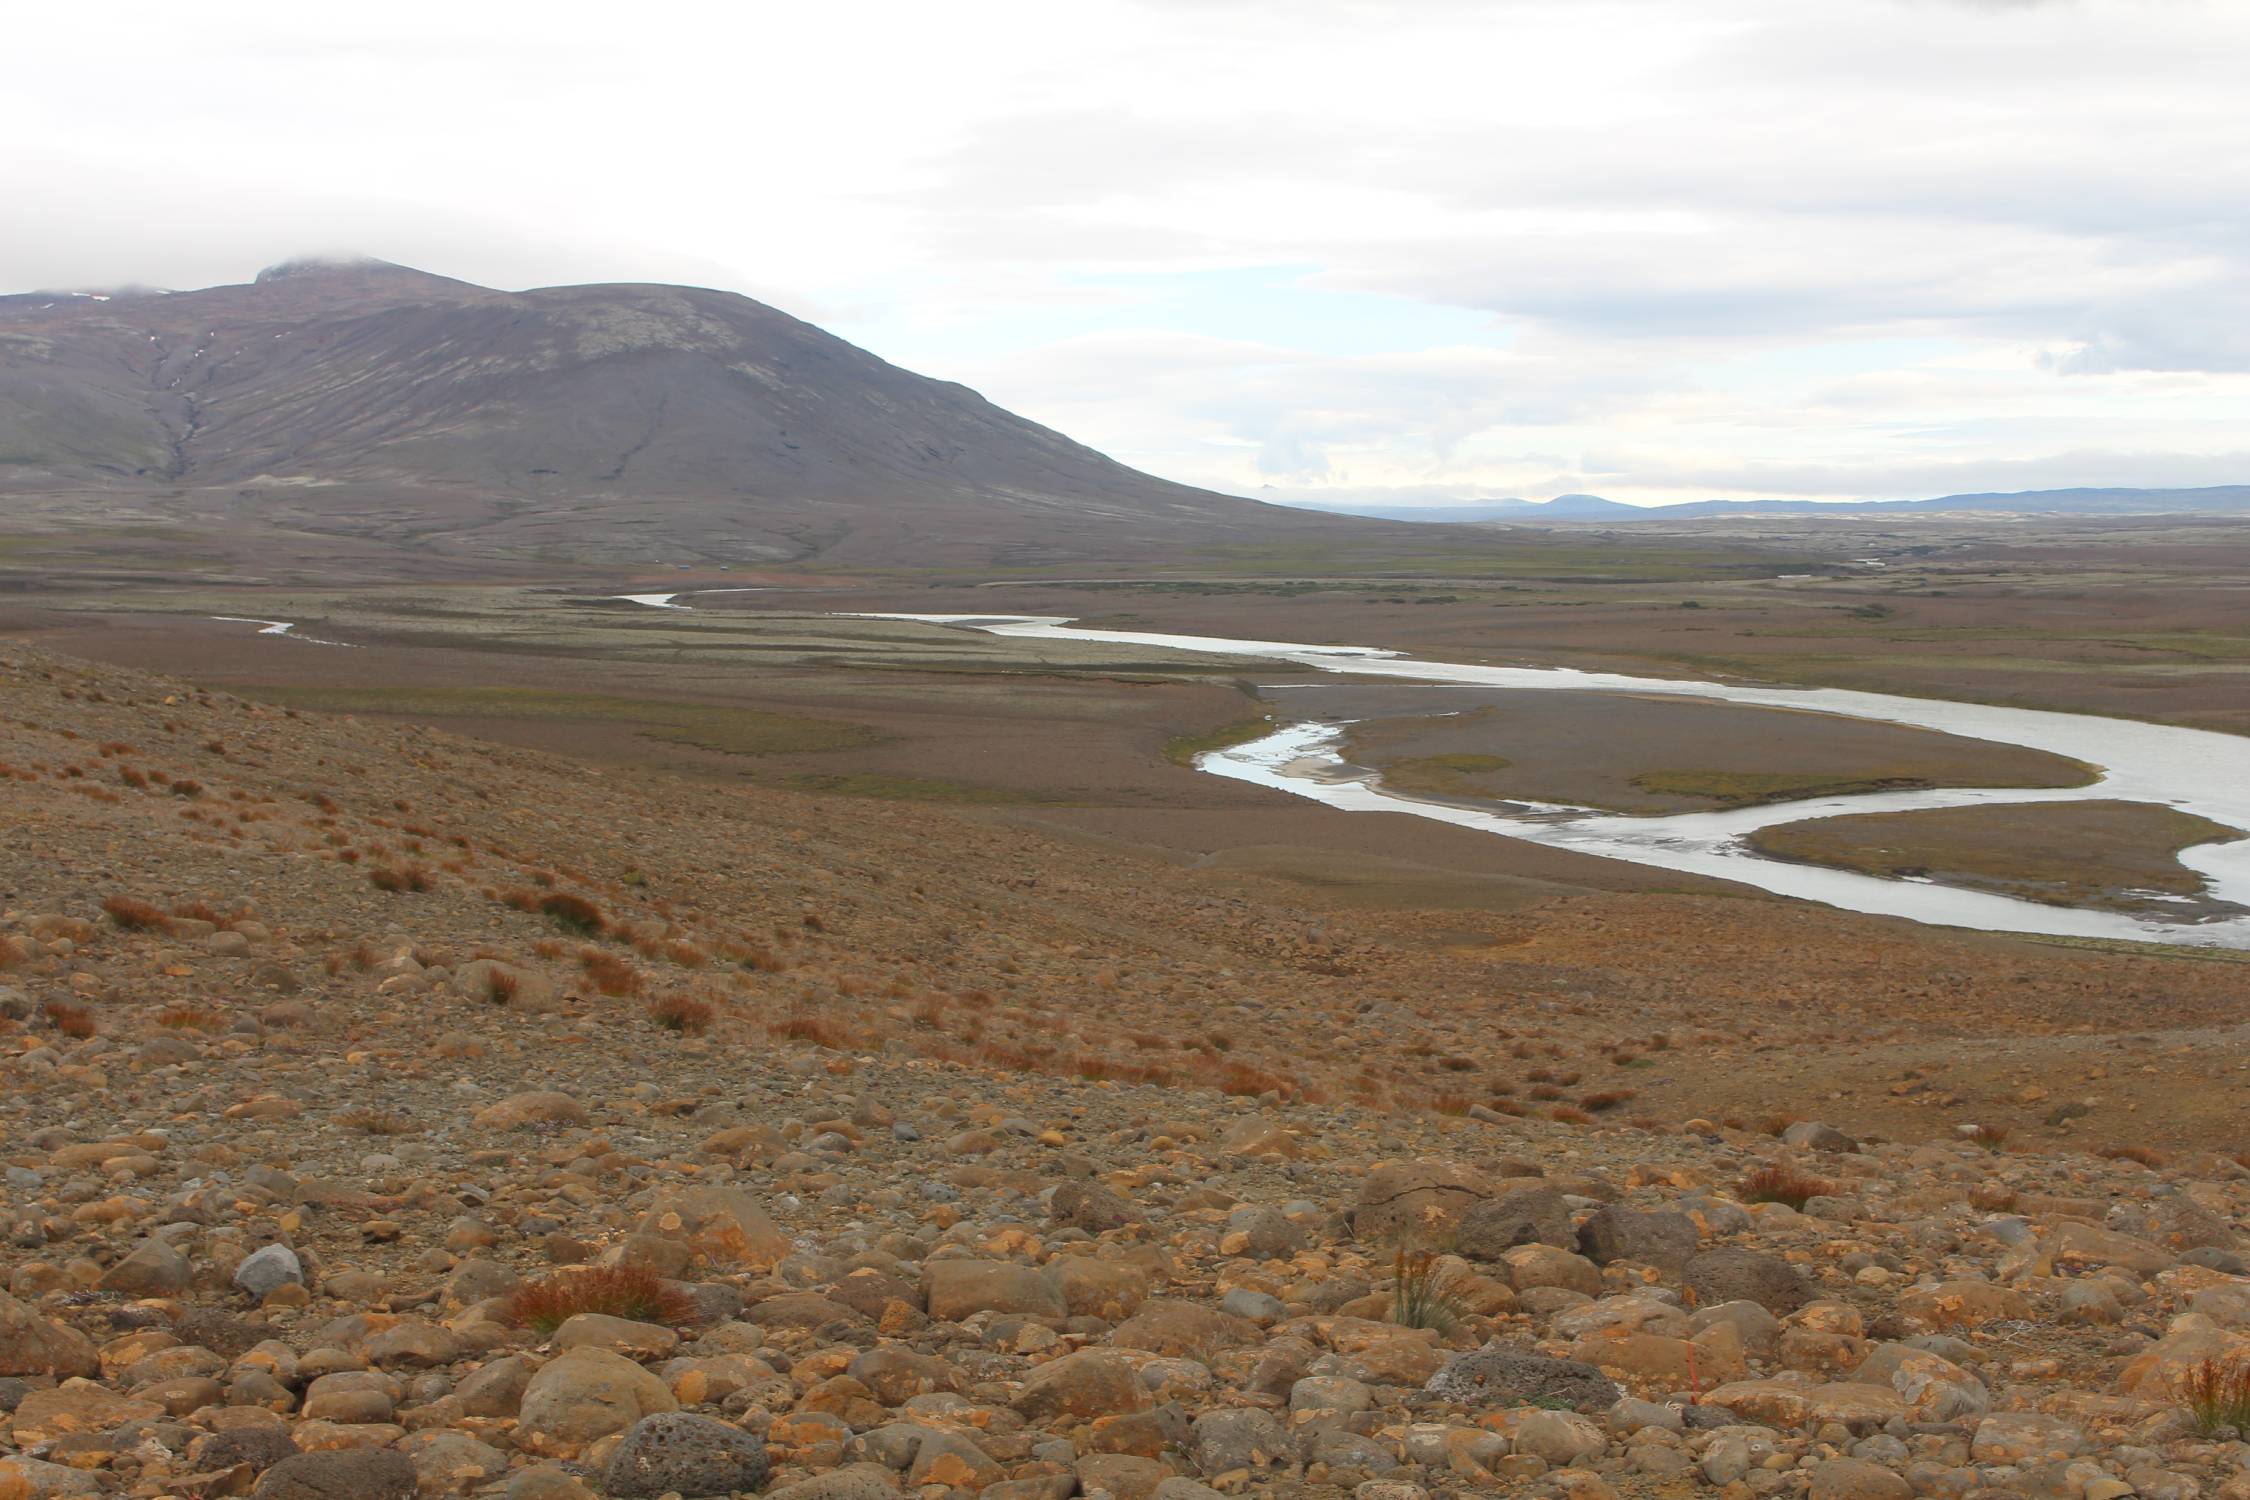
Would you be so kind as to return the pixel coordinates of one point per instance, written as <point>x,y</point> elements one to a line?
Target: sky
<point>1314,250</point>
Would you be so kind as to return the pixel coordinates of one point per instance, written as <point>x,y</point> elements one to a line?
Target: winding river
<point>2194,770</point>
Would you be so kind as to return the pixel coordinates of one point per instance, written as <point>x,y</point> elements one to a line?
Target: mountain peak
<point>299,266</point>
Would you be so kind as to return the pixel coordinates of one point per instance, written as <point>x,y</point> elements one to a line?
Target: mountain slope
<point>651,423</point>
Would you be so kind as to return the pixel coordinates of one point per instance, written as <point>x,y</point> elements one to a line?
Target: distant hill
<point>2226,499</point>
<point>363,400</point>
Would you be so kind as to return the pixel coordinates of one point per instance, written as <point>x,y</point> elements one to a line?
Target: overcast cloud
<point>1656,249</point>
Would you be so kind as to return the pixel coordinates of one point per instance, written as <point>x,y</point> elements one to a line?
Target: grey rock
<point>268,1270</point>
<point>1491,1377</point>
<point>340,1474</point>
<point>1667,1241</point>
<point>1231,1439</point>
<point>1732,1274</point>
<point>1261,1308</point>
<point>1091,1207</point>
<point>681,1451</point>
<point>1811,1135</point>
<point>1524,1216</point>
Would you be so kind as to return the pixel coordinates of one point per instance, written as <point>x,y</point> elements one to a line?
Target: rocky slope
<point>335,1060</point>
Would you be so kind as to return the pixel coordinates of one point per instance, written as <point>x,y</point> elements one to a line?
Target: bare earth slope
<point>368,400</point>
<point>942,1161</point>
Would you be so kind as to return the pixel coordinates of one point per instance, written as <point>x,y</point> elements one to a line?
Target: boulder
<point>1085,1385</point>
<point>722,1224</point>
<point>1733,1274</point>
<point>583,1395</point>
<point>1520,1216</point>
<point>268,1270</point>
<point>340,1474</point>
<point>1091,1207</point>
<point>1190,1329</point>
<point>32,1345</point>
<point>1500,1376</point>
<point>680,1452</point>
<point>961,1287</point>
<point>1857,1479</point>
<point>154,1269</point>
<point>1418,1202</point>
<point>1666,1241</point>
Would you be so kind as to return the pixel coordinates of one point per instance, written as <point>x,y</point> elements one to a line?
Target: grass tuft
<point>682,1014</point>
<point>2217,1395</point>
<point>1779,1182</point>
<point>1424,1294</point>
<point>633,1292</point>
<point>133,915</point>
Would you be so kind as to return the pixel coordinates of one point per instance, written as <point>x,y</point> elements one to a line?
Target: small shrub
<point>633,1292</point>
<point>2217,1395</point>
<point>818,1030</point>
<point>134,916</point>
<point>500,986</point>
<point>611,974</point>
<point>573,914</point>
<point>1607,1099</point>
<point>71,1019</point>
<point>402,877</point>
<point>1423,1293</point>
<point>682,1014</point>
<point>1779,1182</point>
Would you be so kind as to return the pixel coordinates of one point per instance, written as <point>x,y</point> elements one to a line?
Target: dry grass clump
<point>633,1292</point>
<point>681,1013</point>
<point>1569,1114</point>
<point>611,974</point>
<point>501,985</point>
<point>375,1122</point>
<point>821,1031</point>
<point>1424,1294</point>
<point>188,1018</point>
<point>134,915</point>
<point>574,914</point>
<point>2217,1395</point>
<point>71,1019</point>
<point>1992,1137</point>
<point>1781,1182</point>
<point>402,876</point>
<point>1606,1099</point>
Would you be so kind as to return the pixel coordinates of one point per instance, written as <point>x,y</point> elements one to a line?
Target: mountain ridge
<point>2223,499</point>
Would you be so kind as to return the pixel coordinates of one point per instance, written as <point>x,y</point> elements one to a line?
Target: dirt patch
<point>2117,856</point>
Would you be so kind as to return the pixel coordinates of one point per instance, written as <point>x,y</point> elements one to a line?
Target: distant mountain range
<point>367,406</point>
<point>2224,499</point>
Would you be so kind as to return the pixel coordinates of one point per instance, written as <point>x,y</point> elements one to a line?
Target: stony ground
<point>388,1115</point>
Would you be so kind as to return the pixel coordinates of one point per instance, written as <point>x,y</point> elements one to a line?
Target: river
<point>2195,770</point>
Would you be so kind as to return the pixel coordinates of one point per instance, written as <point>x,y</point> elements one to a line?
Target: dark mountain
<point>2225,499</point>
<point>369,401</point>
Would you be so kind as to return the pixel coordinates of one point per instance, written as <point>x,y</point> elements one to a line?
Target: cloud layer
<point>1645,247</point>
